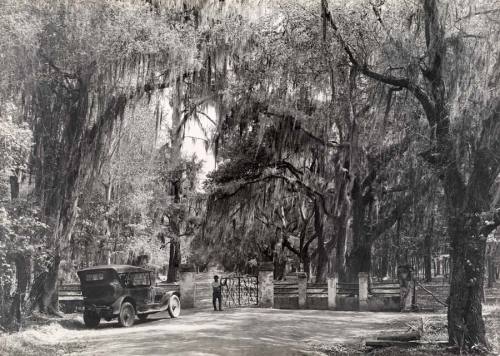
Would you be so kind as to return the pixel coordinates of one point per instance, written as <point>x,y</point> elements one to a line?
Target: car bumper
<point>103,311</point>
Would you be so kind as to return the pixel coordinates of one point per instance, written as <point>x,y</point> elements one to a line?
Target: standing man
<point>216,293</point>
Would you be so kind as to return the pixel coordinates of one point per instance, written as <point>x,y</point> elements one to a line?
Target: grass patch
<point>434,328</point>
<point>43,337</point>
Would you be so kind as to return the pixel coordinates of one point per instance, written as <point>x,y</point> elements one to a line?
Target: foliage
<point>15,143</point>
<point>22,233</point>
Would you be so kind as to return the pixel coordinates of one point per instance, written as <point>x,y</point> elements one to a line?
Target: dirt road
<point>235,332</point>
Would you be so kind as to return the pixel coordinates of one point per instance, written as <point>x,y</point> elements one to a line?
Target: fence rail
<point>317,289</point>
<point>384,289</point>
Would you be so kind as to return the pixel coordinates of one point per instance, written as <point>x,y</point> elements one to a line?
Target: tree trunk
<point>339,240</point>
<point>386,257</point>
<point>306,263</point>
<point>23,268</point>
<point>340,258</point>
<point>464,204</point>
<point>174,159</point>
<point>14,187</point>
<point>49,297</point>
<point>174,260</point>
<point>359,259</point>
<point>491,272</point>
<point>397,249</point>
<point>322,255</point>
<point>465,322</point>
<point>428,255</point>
<point>279,267</point>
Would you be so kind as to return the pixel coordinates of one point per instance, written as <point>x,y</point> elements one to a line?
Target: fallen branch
<point>411,336</point>
<point>432,294</point>
<point>391,343</point>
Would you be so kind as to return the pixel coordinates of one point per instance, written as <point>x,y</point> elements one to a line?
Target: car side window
<point>140,279</point>
<point>125,280</point>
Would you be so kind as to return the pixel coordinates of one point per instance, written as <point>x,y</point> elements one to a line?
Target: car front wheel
<point>174,306</point>
<point>91,319</point>
<point>127,315</point>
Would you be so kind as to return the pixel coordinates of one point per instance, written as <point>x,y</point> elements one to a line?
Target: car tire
<point>91,319</point>
<point>142,317</point>
<point>174,306</point>
<point>126,317</point>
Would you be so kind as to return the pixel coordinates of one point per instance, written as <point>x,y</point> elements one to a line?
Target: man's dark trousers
<point>217,295</point>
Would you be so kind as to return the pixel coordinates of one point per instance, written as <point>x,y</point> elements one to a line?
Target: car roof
<point>117,268</point>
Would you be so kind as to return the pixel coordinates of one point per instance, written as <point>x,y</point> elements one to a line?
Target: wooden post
<point>332,292</point>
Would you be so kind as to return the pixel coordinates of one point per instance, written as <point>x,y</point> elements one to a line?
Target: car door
<point>140,289</point>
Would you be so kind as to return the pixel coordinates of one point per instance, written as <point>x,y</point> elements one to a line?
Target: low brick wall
<point>317,296</point>
<point>381,296</point>
<point>286,295</point>
<point>384,303</point>
<point>347,302</point>
<point>384,296</point>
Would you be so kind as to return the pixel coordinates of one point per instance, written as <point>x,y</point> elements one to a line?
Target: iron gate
<point>240,291</point>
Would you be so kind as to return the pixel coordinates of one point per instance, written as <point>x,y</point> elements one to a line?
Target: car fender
<point>166,297</point>
<point>117,304</point>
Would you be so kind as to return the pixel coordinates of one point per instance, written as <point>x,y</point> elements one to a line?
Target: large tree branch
<point>416,90</point>
<point>399,82</point>
<point>297,126</point>
<point>383,158</point>
<point>309,241</point>
<point>289,246</point>
<point>293,183</point>
<point>402,205</point>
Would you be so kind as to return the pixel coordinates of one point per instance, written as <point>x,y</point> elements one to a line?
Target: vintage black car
<point>122,291</point>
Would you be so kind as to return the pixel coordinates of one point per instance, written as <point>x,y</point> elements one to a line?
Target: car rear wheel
<point>91,319</point>
<point>127,315</point>
<point>174,306</point>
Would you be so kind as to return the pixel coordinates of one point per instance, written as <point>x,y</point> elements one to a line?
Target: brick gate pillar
<point>266,285</point>
<point>363,290</point>
<point>302,284</point>
<point>187,285</point>
<point>332,291</point>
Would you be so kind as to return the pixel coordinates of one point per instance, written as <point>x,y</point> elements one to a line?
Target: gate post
<point>332,291</point>
<point>266,285</point>
<point>363,290</point>
<point>302,283</point>
<point>187,285</point>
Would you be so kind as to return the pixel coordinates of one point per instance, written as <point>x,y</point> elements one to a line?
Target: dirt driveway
<point>235,332</point>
